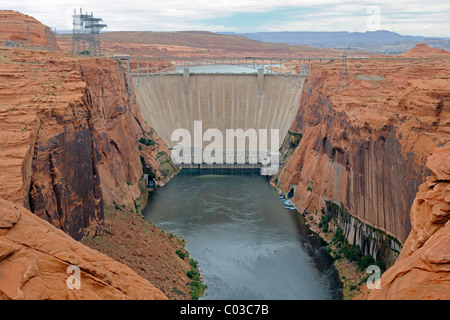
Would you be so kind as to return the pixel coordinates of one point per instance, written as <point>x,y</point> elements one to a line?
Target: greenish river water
<point>248,246</point>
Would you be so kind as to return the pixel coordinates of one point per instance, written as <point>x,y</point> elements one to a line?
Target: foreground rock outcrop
<point>35,257</point>
<point>423,267</point>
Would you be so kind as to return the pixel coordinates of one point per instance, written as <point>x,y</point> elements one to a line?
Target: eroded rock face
<point>423,267</point>
<point>68,137</point>
<point>68,145</point>
<point>365,147</point>
<point>35,256</point>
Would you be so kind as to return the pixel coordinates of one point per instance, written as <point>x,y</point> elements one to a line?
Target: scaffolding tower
<point>344,74</point>
<point>86,33</point>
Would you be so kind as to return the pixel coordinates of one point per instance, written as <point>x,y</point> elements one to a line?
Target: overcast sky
<point>407,17</point>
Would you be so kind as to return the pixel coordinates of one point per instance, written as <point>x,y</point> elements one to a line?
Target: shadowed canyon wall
<point>68,149</point>
<point>70,138</point>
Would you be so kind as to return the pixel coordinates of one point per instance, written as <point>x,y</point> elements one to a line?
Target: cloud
<point>403,16</point>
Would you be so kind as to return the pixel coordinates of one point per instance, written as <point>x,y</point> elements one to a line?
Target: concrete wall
<point>221,101</point>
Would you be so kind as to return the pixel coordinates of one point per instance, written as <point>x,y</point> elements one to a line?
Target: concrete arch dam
<point>256,100</point>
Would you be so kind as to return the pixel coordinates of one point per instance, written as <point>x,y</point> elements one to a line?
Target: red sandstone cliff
<point>69,137</point>
<point>423,267</point>
<point>25,31</point>
<point>365,147</point>
<point>34,261</point>
<point>68,147</point>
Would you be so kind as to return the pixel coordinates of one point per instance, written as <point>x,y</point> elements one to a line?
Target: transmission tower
<point>86,34</point>
<point>50,38</point>
<point>344,73</point>
<point>28,42</point>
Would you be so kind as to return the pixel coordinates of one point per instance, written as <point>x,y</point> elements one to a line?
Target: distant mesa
<point>422,50</point>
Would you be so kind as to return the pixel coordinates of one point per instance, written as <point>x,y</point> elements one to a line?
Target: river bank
<point>150,252</point>
<point>353,279</point>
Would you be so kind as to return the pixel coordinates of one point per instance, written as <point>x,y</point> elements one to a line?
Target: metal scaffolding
<point>86,33</point>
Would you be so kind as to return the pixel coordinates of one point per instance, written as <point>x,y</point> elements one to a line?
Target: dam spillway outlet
<point>226,150</point>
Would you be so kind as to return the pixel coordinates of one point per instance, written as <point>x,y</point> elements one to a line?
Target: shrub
<point>193,274</point>
<point>147,142</point>
<point>181,254</point>
<point>194,263</point>
<point>197,289</point>
<point>353,254</point>
<point>364,262</point>
<point>338,236</point>
<point>324,220</point>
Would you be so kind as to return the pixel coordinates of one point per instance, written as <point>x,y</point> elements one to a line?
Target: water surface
<point>247,244</point>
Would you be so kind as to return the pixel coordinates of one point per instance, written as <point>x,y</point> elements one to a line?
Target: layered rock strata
<point>423,267</point>
<point>364,145</point>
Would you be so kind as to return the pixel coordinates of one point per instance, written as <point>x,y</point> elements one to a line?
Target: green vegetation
<point>295,137</point>
<point>197,286</point>
<point>116,206</point>
<point>147,142</point>
<point>324,221</point>
<point>309,188</point>
<point>353,253</point>
<point>181,253</point>
<point>295,134</point>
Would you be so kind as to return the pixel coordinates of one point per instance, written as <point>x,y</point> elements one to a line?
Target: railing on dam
<point>151,67</point>
<point>267,162</point>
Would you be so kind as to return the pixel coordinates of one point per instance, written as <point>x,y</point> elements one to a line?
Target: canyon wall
<point>68,147</point>
<point>363,147</point>
<point>422,270</point>
<point>69,139</point>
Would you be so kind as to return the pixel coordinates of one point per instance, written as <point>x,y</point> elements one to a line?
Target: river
<point>248,246</point>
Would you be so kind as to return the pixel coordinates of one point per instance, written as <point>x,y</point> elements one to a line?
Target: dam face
<point>220,100</point>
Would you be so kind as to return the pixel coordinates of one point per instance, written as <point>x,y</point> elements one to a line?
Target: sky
<point>407,17</point>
